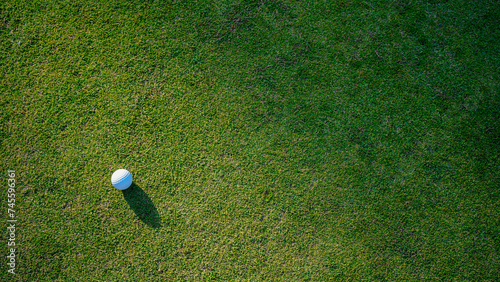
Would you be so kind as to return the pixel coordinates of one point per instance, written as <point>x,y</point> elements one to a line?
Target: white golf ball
<point>121,179</point>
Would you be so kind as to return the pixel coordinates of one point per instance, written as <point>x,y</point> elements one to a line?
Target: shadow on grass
<point>142,205</point>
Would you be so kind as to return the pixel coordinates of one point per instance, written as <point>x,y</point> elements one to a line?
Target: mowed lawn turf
<point>268,140</point>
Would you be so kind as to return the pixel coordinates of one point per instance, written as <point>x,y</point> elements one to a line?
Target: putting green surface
<point>268,140</point>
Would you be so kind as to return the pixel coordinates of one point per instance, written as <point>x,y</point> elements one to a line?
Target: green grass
<point>268,140</point>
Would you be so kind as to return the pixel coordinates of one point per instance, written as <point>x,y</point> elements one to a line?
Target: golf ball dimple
<point>121,179</point>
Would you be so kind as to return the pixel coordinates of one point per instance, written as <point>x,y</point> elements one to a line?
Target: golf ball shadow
<point>142,205</point>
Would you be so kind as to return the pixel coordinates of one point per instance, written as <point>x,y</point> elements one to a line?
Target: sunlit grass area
<point>268,140</point>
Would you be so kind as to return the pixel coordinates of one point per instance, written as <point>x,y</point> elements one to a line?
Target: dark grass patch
<point>142,206</point>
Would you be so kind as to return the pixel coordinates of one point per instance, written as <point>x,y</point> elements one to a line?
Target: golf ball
<point>121,179</point>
